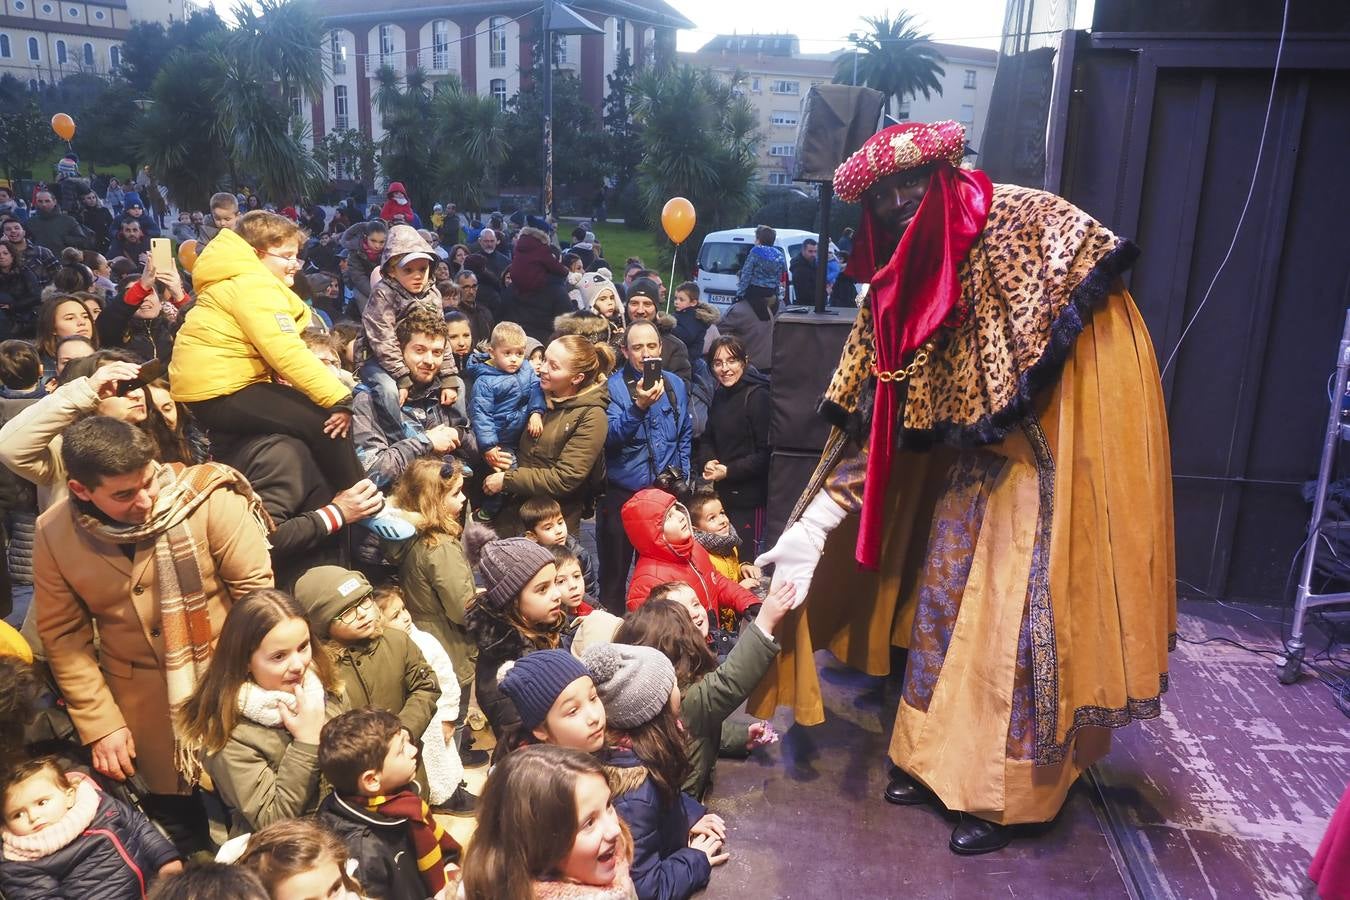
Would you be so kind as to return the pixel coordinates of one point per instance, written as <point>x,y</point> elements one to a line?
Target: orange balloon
<point>677,218</point>
<point>187,255</point>
<point>64,126</point>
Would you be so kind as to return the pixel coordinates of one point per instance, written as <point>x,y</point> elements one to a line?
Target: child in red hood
<point>398,205</point>
<point>658,526</point>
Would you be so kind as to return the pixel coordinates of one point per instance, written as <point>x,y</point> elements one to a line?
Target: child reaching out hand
<point>674,622</point>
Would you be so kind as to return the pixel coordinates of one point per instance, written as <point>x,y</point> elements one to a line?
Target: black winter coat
<point>147,338</point>
<point>21,293</point>
<point>738,437</point>
<point>381,846</point>
<point>665,867</point>
<point>535,311</point>
<point>115,858</point>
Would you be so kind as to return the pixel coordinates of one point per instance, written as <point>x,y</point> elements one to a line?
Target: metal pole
<point>546,201</point>
<point>823,245</point>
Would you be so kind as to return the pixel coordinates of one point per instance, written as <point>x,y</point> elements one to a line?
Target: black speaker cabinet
<point>789,471</point>
<point>836,120</point>
<point>806,350</point>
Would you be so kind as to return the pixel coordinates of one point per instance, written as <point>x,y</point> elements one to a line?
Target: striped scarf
<point>185,619</point>
<point>434,847</point>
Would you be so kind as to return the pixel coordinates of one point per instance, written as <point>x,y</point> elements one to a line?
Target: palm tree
<point>471,135</point>
<point>220,109</point>
<point>894,58</point>
<point>699,140</point>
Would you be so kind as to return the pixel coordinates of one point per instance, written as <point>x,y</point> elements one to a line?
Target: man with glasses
<point>480,317</point>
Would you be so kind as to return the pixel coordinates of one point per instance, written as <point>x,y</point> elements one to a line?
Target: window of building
<point>779,178</point>
<point>497,44</point>
<point>619,28</point>
<point>783,117</point>
<point>114,57</point>
<point>386,45</point>
<point>562,49</point>
<point>293,99</point>
<point>60,53</point>
<point>73,12</point>
<point>340,120</point>
<point>46,9</point>
<point>440,44</point>
<point>89,54</point>
<point>100,14</point>
<point>785,87</point>
<point>34,51</point>
<point>498,88</point>
<point>4,46</point>
<point>967,114</point>
<point>782,150</point>
<point>32,85</point>
<point>20,5</point>
<point>337,53</point>
<point>754,84</point>
<point>970,78</point>
<point>903,114</point>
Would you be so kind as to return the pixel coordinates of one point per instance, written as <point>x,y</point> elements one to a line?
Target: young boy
<point>224,210</point>
<point>571,583</point>
<point>406,280</point>
<point>542,519</point>
<point>713,530</point>
<point>371,760</point>
<point>378,667</point>
<point>661,533</point>
<point>695,321</point>
<point>507,399</point>
<point>20,371</point>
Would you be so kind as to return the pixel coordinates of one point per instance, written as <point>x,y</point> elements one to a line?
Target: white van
<point>723,254</point>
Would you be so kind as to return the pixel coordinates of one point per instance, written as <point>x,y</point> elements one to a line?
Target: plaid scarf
<point>719,544</point>
<point>184,618</point>
<point>433,846</point>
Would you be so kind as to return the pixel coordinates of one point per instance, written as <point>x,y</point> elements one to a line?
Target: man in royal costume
<point>995,496</point>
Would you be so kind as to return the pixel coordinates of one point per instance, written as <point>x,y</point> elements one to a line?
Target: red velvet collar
<point>911,295</point>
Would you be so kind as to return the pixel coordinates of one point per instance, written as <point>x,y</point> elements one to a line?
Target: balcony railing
<point>437,61</point>
<point>377,61</point>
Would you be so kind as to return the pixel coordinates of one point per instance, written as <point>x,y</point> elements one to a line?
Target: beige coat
<point>80,582</point>
<point>30,443</point>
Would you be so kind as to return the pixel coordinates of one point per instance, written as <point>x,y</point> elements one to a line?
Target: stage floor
<point>1225,795</point>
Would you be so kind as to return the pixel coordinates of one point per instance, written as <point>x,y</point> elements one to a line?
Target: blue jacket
<point>502,402</point>
<point>639,445</point>
<point>665,867</point>
<point>763,268</point>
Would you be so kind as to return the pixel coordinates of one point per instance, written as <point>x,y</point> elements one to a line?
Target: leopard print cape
<point>1031,281</point>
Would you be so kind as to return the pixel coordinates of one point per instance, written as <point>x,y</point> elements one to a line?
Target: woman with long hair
<point>20,294</point>
<point>734,449</point>
<point>256,714</point>
<point>61,316</point>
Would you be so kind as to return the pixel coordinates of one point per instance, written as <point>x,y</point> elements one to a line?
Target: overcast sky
<point>823,25</point>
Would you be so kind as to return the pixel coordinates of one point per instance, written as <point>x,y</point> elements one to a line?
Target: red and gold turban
<point>897,149</point>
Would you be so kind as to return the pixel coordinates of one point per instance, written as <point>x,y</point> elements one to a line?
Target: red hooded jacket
<point>392,208</point>
<point>660,561</point>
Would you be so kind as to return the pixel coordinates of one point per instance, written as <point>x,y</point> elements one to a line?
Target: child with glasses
<point>243,339</point>
<point>380,667</point>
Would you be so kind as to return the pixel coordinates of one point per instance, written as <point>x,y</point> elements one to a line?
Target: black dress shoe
<point>973,836</point>
<point>905,791</point>
<point>472,759</point>
<point>461,802</point>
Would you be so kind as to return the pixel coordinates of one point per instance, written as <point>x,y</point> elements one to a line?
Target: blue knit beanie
<point>534,682</point>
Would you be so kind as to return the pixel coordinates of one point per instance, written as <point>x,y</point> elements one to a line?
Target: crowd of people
<point>216,662</point>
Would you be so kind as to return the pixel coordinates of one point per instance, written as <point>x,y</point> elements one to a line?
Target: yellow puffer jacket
<point>244,328</point>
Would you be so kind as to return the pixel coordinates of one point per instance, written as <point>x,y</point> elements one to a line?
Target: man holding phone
<point>650,431</point>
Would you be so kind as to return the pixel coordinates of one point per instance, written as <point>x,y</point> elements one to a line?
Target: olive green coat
<point>706,704</point>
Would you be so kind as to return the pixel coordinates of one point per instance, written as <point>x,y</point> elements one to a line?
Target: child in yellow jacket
<point>243,335</point>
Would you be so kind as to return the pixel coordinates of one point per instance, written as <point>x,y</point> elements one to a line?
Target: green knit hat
<point>326,592</point>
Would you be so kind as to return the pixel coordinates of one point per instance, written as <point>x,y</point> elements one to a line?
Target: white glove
<point>798,551</point>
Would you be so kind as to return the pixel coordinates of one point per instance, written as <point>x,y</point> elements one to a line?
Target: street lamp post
<point>558,19</point>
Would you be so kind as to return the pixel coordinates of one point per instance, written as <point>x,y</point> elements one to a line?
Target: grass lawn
<point>620,242</point>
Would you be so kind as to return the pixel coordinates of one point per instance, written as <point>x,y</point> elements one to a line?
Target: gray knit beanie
<point>634,683</point>
<point>507,566</point>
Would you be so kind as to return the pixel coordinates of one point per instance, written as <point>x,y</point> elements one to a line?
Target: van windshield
<point>723,259</point>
